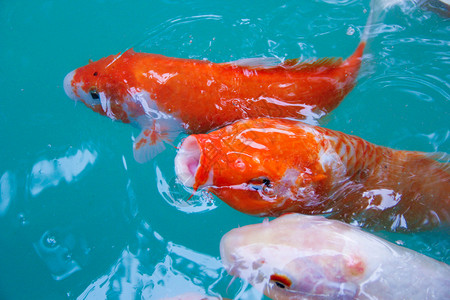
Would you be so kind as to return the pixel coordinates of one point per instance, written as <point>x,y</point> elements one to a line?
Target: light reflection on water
<point>47,173</point>
<point>158,269</point>
<point>7,191</point>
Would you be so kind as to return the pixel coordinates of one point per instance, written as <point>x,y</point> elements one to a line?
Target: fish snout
<point>68,88</point>
<point>228,246</point>
<point>187,161</point>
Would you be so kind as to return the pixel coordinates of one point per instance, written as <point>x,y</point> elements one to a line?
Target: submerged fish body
<point>310,257</point>
<point>268,167</point>
<point>165,96</point>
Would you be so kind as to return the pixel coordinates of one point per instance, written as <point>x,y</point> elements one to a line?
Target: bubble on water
<point>56,255</point>
<point>350,30</point>
<point>22,219</point>
<point>50,241</point>
<point>68,257</point>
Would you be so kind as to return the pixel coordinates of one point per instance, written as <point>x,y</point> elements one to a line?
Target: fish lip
<point>68,89</point>
<point>187,161</point>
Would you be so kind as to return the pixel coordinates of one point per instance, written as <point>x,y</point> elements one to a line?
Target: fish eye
<point>94,94</point>
<point>263,181</point>
<point>262,184</point>
<point>281,281</point>
<point>95,73</point>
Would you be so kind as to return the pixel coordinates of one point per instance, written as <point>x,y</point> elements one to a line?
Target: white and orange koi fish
<point>268,167</point>
<point>310,257</point>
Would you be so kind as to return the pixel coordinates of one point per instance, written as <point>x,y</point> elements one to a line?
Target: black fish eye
<point>260,180</point>
<point>260,183</point>
<point>95,73</point>
<point>94,94</point>
<point>280,285</point>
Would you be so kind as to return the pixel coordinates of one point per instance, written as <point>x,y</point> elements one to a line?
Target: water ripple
<point>174,32</point>
<point>183,198</point>
<point>57,254</point>
<point>340,2</point>
<point>423,87</point>
<point>416,40</point>
<point>133,274</point>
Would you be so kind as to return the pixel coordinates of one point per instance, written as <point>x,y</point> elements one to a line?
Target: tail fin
<point>442,158</point>
<point>377,10</point>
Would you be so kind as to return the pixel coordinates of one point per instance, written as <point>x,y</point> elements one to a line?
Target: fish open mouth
<point>187,161</point>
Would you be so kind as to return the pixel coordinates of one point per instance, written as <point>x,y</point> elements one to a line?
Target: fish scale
<point>388,169</point>
<point>354,152</point>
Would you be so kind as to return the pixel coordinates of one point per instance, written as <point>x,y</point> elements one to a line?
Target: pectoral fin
<point>151,141</point>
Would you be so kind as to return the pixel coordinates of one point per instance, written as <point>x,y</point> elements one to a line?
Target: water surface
<point>81,219</point>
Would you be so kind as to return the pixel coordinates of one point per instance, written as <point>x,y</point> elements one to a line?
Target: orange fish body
<point>170,95</point>
<point>205,95</point>
<point>269,167</point>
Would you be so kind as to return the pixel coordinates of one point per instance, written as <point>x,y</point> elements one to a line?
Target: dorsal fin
<point>441,157</point>
<point>256,62</point>
<point>312,65</point>
<point>272,63</point>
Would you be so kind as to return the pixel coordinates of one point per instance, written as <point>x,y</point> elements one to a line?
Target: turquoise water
<point>80,218</point>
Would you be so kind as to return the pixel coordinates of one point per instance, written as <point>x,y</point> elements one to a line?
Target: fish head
<point>259,166</point>
<point>294,257</point>
<point>105,86</point>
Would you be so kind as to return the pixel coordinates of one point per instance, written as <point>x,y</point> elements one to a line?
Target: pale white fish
<point>310,257</point>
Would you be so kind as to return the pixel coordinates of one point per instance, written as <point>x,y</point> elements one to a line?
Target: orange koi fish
<point>268,167</point>
<point>309,257</point>
<point>165,96</point>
